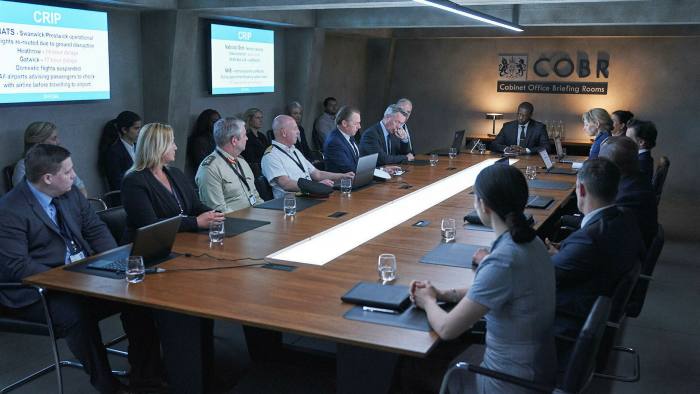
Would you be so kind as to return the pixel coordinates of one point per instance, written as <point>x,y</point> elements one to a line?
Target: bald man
<point>283,164</point>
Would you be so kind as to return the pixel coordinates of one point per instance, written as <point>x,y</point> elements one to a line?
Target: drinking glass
<point>216,233</point>
<point>290,204</point>
<point>346,186</point>
<point>386,266</point>
<point>531,172</point>
<point>135,270</point>
<point>452,153</point>
<point>481,147</point>
<point>433,159</point>
<point>448,230</point>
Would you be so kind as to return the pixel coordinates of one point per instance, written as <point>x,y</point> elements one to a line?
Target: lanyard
<point>238,172</point>
<point>297,161</point>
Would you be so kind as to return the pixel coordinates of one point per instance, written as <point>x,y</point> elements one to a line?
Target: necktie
<point>388,144</point>
<point>522,135</point>
<point>66,233</point>
<point>354,147</point>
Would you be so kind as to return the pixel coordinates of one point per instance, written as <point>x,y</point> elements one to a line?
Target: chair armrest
<point>13,285</point>
<point>542,388</point>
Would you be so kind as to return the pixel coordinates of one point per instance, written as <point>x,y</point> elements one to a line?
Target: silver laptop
<point>549,166</point>
<point>456,143</point>
<point>363,173</point>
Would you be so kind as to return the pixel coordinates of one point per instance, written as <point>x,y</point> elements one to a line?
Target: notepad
<point>376,295</point>
<point>452,254</point>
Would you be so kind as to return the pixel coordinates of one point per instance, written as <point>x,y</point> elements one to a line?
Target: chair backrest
<point>316,139</point>
<point>582,362</point>
<point>636,301</point>
<point>7,173</point>
<point>115,219</point>
<point>113,198</point>
<point>270,136</point>
<point>97,204</point>
<point>264,188</point>
<point>660,176</point>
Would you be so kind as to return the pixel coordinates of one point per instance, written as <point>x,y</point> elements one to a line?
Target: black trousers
<point>75,318</point>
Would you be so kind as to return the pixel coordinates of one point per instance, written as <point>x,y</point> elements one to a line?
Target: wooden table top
<point>307,300</point>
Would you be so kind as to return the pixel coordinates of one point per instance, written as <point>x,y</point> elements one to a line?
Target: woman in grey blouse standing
<point>513,288</point>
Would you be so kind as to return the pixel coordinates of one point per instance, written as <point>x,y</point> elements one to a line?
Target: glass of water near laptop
<point>386,266</point>
<point>481,147</point>
<point>531,172</point>
<point>135,270</point>
<point>448,230</point>
<point>433,159</point>
<point>290,204</point>
<point>216,233</point>
<point>346,186</point>
<point>452,153</point>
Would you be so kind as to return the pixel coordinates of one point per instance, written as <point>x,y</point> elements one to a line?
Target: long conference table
<point>306,301</point>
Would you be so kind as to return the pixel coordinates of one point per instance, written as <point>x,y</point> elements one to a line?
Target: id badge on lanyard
<point>252,200</point>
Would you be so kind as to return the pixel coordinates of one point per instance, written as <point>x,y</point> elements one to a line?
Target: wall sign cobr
<point>513,71</point>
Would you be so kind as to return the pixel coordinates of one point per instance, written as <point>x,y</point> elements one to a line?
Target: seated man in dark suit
<point>635,192</point>
<point>644,134</point>
<point>47,223</point>
<point>388,138</point>
<point>524,135</point>
<point>591,261</point>
<point>340,150</point>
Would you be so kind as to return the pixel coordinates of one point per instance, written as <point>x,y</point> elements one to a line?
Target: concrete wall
<point>80,123</point>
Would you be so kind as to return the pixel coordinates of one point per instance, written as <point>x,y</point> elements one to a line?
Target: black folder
<point>539,202</point>
<point>394,297</point>
<point>278,204</point>
<point>553,185</point>
<point>452,254</point>
<point>235,226</point>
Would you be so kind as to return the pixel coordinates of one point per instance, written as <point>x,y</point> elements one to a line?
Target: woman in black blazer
<point>152,191</point>
<point>117,157</point>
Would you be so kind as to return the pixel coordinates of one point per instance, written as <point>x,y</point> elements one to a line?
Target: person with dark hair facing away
<point>513,288</point>
<point>644,134</point>
<point>620,120</point>
<point>635,191</point>
<point>257,141</point>
<point>592,260</point>
<point>47,223</point>
<point>119,156</point>
<point>201,142</point>
<point>325,123</point>
<point>340,151</point>
<point>523,135</point>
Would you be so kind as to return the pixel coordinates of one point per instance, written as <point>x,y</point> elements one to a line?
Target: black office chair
<point>15,325</point>
<point>270,135</point>
<point>264,188</point>
<point>636,302</point>
<point>660,175</point>
<point>7,173</point>
<point>579,370</point>
<point>115,219</point>
<point>113,198</point>
<point>97,204</point>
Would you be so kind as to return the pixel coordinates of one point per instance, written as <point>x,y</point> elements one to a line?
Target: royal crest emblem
<point>512,67</point>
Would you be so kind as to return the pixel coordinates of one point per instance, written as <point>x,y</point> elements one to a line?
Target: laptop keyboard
<point>115,266</point>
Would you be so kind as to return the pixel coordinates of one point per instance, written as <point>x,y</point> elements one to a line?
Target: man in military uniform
<point>225,180</point>
<point>283,164</point>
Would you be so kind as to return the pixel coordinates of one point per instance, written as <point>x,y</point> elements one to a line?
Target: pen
<point>381,310</point>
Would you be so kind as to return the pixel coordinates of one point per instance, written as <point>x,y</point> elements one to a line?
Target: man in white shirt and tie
<point>522,136</point>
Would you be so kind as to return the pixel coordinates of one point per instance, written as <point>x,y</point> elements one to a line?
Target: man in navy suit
<point>340,151</point>
<point>524,135</point>
<point>644,134</point>
<point>635,192</point>
<point>48,223</point>
<point>387,138</point>
<point>591,261</point>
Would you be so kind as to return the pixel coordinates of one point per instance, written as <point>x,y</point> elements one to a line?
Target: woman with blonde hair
<point>153,191</point>
<point>257,141</point>
<point>597,124</point>
<point>41,133</point>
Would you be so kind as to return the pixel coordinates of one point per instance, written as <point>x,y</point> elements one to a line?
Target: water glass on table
<point>448,229</point>
<point>290,204</point>
<point>452,153</point>
<point>216,233</point>
<point>433,159</point>
<point>346,186</point>
<point>386,266</point>
<point>531,172</point>
<point>481,147</point>
<point>135,270</point>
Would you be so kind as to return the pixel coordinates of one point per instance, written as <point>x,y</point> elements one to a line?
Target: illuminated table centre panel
<point>325,246</point>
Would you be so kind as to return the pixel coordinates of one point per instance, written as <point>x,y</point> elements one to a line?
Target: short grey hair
<point>227,128</point>
<point>394,109</point>
<point>404,101</point>
<point>292,105</point>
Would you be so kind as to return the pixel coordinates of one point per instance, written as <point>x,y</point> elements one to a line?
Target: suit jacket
<point>147,201</point>
<point>339,155</point>
<point>373,141</point>
<point>30,242</point>
<point>592,260</point>
<point>117,163</point>
<point>646,165</point>
<point>536,137</point>
<point>636,194</point>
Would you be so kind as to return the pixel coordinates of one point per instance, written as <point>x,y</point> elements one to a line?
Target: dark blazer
<point>30,242</point>
<point>254,150</point>
<point>117,163</point>
<point>536,137</point>
<point>646,165</point>
<point>636,194</point>
<point>373,141</point>
<point>339,155</point>
<point>147,201</point>
<point>592,259</point>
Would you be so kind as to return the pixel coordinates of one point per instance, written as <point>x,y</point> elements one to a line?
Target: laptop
<point>153,242</point>
<point>549,166</point>
<point>363,173</point>
<point>456,143</point>
<point>560,151</point>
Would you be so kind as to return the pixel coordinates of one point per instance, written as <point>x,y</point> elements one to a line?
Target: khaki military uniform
<point>219,186</point>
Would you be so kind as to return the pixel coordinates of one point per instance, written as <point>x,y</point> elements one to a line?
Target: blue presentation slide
<point>52,54</point>
<point>242,60</point>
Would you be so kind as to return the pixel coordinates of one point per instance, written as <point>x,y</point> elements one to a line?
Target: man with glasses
<point>388,138</point>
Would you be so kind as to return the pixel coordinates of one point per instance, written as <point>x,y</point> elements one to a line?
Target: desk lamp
<point>493,116</point>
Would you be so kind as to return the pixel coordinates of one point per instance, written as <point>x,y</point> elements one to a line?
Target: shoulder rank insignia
<point>207,160</point>
<point>268,150</point>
